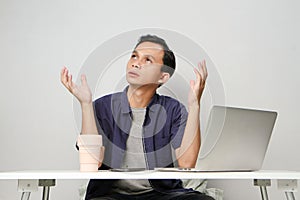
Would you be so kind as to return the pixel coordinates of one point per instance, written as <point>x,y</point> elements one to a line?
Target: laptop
<point>236,139</point>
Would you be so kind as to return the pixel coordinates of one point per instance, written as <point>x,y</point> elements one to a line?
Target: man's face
<point>144,65</point>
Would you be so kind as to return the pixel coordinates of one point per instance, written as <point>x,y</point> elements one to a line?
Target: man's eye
<point>148,60</point>
<point>133,56</point>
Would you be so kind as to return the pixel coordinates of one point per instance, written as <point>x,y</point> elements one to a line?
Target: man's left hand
<point>197,86</point>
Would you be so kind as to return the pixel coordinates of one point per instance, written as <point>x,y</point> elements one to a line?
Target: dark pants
<point>154,195</point>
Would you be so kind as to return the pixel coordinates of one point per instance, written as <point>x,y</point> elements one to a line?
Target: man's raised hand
<point>81,92</point>
<point>197,86</point>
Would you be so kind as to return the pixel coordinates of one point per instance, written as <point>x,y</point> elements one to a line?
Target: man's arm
<point>83,94</point>
<point>187,153</point>
<point>88,119</point>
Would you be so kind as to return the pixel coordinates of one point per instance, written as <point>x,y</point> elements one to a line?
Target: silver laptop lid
<point>236,139</point>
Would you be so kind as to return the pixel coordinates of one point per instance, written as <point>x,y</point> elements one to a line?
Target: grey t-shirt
<point>134,156</point>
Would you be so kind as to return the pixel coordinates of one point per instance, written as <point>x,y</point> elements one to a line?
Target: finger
<point>201,66</point>
<point>62,74</point>
<point>67,75</point>
<point>200,72</point>
<point>83,80</point>
<point>198,75</point>
<point>201,69</point>
<point>70,81</point>
<point>62,71</point>
<point>64,78</point>
<point>205,69</point>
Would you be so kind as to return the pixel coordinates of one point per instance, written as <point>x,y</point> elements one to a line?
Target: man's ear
<point>164,78</point>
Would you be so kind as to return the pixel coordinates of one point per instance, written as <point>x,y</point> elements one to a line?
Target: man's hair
<point>169,57</point>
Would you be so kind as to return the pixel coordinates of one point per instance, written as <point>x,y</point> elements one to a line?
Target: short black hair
<point>168,58</point>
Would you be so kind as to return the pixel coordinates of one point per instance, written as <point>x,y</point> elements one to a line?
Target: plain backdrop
<point>253,44</point>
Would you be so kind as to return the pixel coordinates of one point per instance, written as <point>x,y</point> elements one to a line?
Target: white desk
<point>287,180</point>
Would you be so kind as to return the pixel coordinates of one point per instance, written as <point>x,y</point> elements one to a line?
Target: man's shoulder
<point>104,104</point>
<point>168,100</point>
<point>107,98</point>
<point>171,104</point>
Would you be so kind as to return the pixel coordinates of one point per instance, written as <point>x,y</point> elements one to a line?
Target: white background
<point>254,45</point>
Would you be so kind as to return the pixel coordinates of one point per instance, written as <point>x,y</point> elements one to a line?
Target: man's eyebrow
<point>146,55</point>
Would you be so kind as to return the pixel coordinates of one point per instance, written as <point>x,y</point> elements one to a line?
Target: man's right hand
<point>81,92</point>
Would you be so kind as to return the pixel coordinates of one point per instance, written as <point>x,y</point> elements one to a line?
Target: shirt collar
<point>125,107</point>
<point>124,102</point>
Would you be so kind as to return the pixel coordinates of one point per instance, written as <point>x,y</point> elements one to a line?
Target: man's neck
<point>139,97</point>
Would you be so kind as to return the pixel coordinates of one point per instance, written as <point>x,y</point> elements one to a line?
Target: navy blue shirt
<point>163,129</point>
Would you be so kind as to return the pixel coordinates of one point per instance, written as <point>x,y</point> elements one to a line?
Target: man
<point>142,129</point>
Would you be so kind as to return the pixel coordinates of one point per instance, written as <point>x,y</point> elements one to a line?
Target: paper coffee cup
<point>89,152</point>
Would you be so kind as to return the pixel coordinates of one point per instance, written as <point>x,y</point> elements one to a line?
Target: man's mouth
<point>130,73</point>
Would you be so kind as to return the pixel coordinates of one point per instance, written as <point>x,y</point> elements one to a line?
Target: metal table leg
<point>25,195</point>
<point>46,191</point>
<point>264,193</point>
<point>289,187</point>
<point>26,186</point>
<point>46,184</point>
<point>263,183</point>
<point>290,196</point>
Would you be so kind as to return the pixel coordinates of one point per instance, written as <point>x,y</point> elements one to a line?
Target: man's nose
<point>136,64</point>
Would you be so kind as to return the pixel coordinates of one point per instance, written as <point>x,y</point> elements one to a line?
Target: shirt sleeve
<point>179,119</point>
<point>99,129</point>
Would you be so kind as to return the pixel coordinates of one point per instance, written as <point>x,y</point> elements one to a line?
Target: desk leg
<point>290,196</point>
<point>26,186</point>
<point>25,195</point>
<point>263,183</point>
<point>46,184</point>
<point>289,187</point>
<point>46,191</point>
